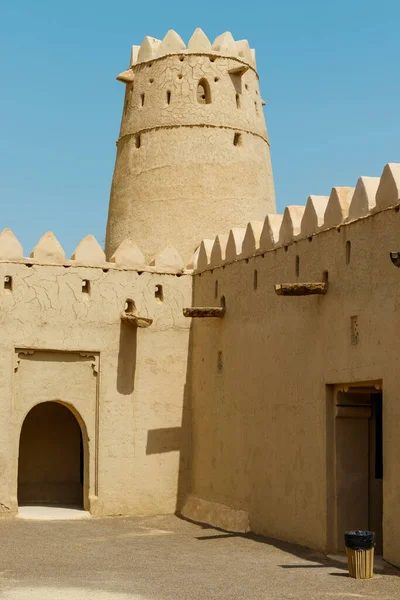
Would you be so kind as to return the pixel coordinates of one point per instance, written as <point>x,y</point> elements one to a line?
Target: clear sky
<point>329,74</point>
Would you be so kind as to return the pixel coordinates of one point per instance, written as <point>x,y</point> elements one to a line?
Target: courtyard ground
<point>165,558</point>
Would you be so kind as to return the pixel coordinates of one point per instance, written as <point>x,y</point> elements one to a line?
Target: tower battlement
<point>223,45</point>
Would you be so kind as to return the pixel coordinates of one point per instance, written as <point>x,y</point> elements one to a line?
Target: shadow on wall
<point>126,359</point>
<point>166,439</point>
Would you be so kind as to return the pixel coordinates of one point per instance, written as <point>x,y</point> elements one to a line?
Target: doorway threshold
<point>52,513</point>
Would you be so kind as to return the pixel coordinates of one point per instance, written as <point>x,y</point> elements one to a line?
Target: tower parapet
<point>223,45</point>
<point>193,154</point>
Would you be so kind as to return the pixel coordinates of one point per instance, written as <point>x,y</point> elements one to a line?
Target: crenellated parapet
<point>224,45</point>
<point>343,206</point>
<point>89,253</point>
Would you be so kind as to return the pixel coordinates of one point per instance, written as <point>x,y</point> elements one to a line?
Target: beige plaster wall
<point>125,385</point>
<point>187,180</point>
<point>261,380</point>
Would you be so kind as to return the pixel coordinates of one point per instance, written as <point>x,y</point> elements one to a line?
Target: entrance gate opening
<point>358,459</point>
<point>50,466</point>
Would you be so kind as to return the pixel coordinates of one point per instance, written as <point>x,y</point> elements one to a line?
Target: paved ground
<point>164,558</point>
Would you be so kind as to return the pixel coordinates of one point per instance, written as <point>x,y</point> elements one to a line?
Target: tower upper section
<point>171,85</point>
<point>193,151</point>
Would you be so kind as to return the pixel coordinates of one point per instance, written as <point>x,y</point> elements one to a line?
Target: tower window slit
<point>203,92</point>
<point>237,139</point>
<point>238,103</point>
<point>138,140</point>
<point>168,97</point>
<point>158,293</point>
<point>255,279</point>
<point>142,99</point>
<point>348,252</point>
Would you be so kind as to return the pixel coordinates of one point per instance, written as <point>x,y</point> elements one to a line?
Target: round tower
<point>193,157</point>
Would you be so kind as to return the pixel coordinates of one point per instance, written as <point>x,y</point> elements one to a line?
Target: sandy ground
<point>165,558</point>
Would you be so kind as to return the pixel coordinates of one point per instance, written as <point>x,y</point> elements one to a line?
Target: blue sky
<point>329,74</point>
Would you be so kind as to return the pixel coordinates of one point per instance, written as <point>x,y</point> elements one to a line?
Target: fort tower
<point>193,155</point>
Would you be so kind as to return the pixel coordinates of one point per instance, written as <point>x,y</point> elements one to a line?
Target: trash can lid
<point>359,539</point>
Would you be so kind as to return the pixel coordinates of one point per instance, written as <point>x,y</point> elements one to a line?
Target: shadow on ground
<point>301,552</point>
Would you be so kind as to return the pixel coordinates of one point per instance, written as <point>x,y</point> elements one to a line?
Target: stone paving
<point>165,558</point>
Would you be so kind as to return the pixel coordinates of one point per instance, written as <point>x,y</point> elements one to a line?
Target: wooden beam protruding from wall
<point>136,321</point>
<point>301,289</point>
<point>205,312</point>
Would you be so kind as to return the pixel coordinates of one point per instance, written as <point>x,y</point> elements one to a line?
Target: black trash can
<point>360,553</point>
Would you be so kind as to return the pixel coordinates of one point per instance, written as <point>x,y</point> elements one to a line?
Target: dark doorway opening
<point>359,463</point>
<point>51,458</point>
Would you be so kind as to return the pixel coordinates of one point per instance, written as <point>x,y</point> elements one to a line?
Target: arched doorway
<point>50,465</point>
